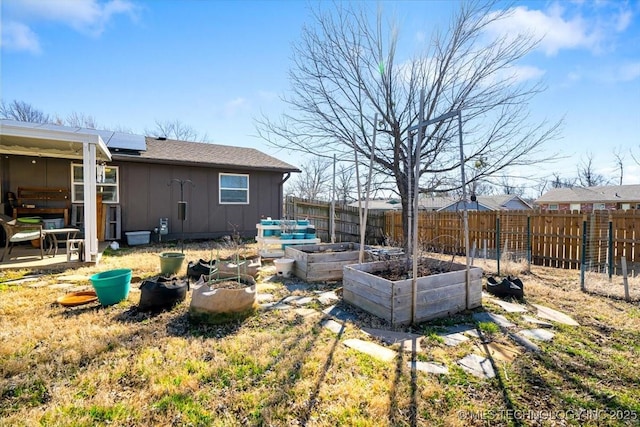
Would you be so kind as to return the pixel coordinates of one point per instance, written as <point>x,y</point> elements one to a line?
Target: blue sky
<point>217,65</point>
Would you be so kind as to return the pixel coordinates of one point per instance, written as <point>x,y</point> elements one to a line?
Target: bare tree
<point>558,181</point>
<point>175,129</point>
<point>315,180</point>
<point>80,120</point>
<point>507,186</point>
<point>587,176</point>
<point>23,112</point>
<point>346,71</point>
<point>345,184</point>
<point>619,161</point>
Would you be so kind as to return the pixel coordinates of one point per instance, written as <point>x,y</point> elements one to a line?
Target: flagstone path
<point>479,362</point>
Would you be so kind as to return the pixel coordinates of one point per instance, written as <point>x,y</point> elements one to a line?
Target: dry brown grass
<point>98,366</point>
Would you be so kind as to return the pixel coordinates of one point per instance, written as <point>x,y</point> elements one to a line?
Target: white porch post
<point>90,196</point>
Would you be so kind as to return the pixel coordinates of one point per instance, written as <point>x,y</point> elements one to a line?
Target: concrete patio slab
<point>372,349</point>
<point>479,366</point>
<point>537,321</point>
<point>407,341</point>
<point>334,326</point>
<point>554,315</point>
<point>538,334</point>
<point>498,319</point>
<point>429,367</point>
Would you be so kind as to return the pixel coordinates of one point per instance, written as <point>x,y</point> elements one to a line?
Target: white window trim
<point>220,188</point>
<point>599,206</point>
<point>116,184</point>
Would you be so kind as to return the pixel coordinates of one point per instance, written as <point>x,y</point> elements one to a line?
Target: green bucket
<point>171,262</point>
<point>112,286</point>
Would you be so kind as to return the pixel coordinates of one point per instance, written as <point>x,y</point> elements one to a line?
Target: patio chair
<point>17,232</point>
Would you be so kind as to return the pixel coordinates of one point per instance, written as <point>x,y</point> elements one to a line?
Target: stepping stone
<point>454,339</point>
<point>372,349</point>
<point>554,315</point>
<point>477,365</point>
<point>264,297</point>
<point>23,280</point>
<point>468,330</point>
<point>38,285</point>
<point>306,312</point>
<point>61,285</point>
<point>407,341</point>
<point>334,326</point>
<point>327,298</point>
<point>339,313</point>
<point>502,352</point>
<point>428,367</point>
<point>473,333</point>
<point>74,278</point>
<point>297,300</point>
<point>276,306</point>
<point>498,319</point>
<point>524,342</point>
<point>537,321</point>
<point>292,287</point>
<point>509,307</point>
<point>538,334</point>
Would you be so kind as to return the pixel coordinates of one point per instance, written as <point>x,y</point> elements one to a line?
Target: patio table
<point>52,239</point>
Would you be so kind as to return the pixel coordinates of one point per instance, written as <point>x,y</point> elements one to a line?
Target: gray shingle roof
<point>204,154</point>
<point>602,194</point>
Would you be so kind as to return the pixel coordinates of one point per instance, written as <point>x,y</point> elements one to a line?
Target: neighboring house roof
<point>599,194</point>
<point>495,203</point>
<point>379,204</point>
<point>200,153</point>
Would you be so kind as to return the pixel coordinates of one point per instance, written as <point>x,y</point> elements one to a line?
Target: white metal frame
<point>62,143</point>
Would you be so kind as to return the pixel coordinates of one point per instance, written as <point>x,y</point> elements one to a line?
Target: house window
<point>599,206</point>
<point>234,189</point>
<point>575,206</point>
<point>553,206</point>
<point>108,188</point>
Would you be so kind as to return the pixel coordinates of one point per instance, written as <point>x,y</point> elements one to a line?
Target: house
<point>427,203</point>
<point>589,199</point>
<point>141,180</point>
<point>500,202</point>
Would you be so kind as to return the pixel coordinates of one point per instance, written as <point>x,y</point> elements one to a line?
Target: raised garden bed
<point>325,261</point>
<point>438,294</point>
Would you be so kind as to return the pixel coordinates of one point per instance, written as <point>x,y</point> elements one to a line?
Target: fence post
<point>583,254</point>
<point>498,242</point>
<point>529,240</point>
<point>610,248</point>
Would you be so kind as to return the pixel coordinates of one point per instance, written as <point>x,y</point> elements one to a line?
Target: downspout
<point>287,175</point>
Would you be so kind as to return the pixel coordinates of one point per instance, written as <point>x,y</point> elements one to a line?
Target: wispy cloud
<point>560,28</point>
<point>19,37</point>
<point>88,17</point>
<point>235,106</point>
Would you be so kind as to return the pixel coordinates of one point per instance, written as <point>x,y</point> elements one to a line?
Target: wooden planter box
<point>438,295</point>
<point>316,263</point>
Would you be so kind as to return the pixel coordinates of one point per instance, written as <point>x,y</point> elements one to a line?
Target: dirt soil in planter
<point>400,272</point>
<point>229,284</point>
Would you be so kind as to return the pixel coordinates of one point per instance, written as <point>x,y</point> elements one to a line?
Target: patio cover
<point>47,140</point>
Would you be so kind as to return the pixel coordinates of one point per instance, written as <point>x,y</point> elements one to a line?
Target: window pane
<point>78,191</point>
<point>77,173</point>
<point>233,181</point>
<point>108,193</point>
<point>110,175</point>
<point>233,196</point>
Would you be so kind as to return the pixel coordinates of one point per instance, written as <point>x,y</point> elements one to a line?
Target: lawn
<point>116,366</point>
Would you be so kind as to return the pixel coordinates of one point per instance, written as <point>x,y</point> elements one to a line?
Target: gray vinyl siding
<point>147,196</point>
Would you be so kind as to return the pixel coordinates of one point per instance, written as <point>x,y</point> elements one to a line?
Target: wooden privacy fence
<point>554,239</point>
<point>347,221</point>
